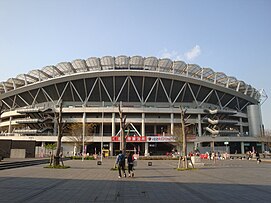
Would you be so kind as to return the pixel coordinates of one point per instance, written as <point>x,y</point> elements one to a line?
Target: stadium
<point>220,111</point>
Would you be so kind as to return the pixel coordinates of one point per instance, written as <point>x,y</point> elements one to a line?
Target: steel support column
<point>113,133</point>
<point>143,124</point>
<point>172,124</point>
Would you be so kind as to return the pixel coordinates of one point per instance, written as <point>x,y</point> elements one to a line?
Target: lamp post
<point>84,132</point>
<point>102,132</point>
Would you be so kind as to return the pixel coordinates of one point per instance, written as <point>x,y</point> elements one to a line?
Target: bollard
<point>149,163</point>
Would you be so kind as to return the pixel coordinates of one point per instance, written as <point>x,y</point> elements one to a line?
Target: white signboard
<point>160,139</point>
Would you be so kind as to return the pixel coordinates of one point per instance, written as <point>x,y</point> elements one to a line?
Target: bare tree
<point>1,110</point>
<point>122,130</point>
<point>184,138</point>
<point>75,131</point>
<point>181,139</point>
<point>51,147</point>
<point>178,137</point>
<point>266,138</point>
<point>60,129</point>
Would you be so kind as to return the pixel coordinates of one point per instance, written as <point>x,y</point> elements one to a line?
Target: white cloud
<point>193,53</point>
<point>176,56</point>
<point>173,55</point>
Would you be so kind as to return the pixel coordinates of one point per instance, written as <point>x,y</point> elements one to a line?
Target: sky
<point>232,36</point>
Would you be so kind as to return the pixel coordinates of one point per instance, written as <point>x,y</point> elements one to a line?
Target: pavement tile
<point>85,181</point>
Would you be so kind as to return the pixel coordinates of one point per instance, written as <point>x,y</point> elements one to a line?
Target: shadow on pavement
<point>18,189</point>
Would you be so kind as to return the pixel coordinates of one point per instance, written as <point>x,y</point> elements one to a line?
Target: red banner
<point>190,137</point>
<point>130,139</point>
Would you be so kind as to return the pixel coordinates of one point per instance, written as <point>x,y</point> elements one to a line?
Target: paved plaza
<point>85,181</point>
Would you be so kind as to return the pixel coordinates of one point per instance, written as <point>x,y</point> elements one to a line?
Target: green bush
<point>80,158</point>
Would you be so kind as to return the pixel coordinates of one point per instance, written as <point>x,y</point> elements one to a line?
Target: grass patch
<point>80,158</point>
<point>57,167</point>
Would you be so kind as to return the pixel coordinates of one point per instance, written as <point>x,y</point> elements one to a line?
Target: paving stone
<point>85,181</point>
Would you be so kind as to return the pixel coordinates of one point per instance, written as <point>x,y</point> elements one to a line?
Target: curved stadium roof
<point>134,63</point>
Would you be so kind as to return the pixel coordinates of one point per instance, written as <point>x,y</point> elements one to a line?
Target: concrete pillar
<point>84,132</point>
<point>212,144</point>
<point>242,148</point>
<point>199,125</point>
<point>254,120</point>
<point>146,149</point>
<point>171,124</point>
<point>100,129</point>
<point>113,124</point>
<point>74,149</point>
<point>263,147</point>
<point>111,148</point>
<point>143,124</point>
<point>154,130</point>
<point>42,150</point>
<point>55,126</point>
<point>113,133</point>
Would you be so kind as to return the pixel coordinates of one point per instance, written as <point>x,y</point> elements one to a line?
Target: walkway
<point>224,181</point>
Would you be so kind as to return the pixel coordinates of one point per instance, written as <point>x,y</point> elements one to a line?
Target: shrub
<point>80,157</point>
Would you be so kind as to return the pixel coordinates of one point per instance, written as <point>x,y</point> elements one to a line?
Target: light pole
<point>84,132</point>
<point>102,132</point>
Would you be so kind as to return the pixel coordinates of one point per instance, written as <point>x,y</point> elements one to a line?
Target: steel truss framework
<point>131,89</point>
<point>134,82</point>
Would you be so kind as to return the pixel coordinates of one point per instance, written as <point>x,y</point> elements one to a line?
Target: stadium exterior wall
<point>150,92</point>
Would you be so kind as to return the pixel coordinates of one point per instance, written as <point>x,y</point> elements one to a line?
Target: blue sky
<point>228,36</point>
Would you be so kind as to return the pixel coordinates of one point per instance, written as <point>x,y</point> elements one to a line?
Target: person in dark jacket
<point>120,161</point>
<point>131,164</point>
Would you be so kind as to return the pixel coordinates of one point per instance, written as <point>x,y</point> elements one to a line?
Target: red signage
<point>130,139</point>
<point>190,137</point>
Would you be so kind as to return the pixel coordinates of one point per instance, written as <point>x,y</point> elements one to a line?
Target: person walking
<point>258,157</point>
<point>130,164</point>
<point>120,161</point>
<point>51,156</point>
